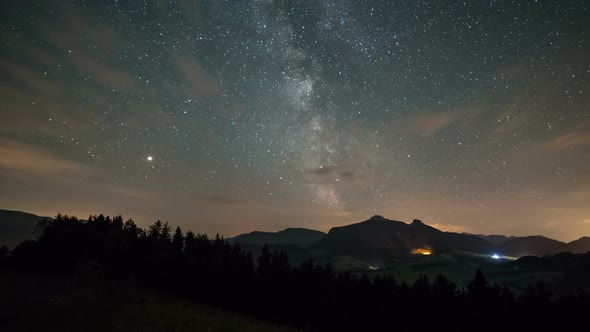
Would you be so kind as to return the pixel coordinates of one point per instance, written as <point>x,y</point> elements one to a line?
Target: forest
<point>309,297</point>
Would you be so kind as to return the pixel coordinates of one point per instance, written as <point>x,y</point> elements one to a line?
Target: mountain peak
<point>385,238</point>
<point>377,218</point>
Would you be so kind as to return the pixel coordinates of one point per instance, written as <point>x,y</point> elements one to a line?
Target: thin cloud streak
<point>18,158</point>
<point>580,137</point>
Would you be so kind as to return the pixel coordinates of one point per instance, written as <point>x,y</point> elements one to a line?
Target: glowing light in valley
<point>421,251</point>
<point>495,256</point>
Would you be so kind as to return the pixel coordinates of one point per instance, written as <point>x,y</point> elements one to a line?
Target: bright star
<point>150,158</point>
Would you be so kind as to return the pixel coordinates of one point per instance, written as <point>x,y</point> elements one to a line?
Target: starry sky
<point>232,116</point>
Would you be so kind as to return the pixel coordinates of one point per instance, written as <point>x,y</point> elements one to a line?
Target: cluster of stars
<point>333,105</point>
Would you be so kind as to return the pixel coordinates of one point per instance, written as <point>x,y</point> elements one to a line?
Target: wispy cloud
<point>219,199</point>
<point>330,174</point>
<point>450,228</point>
<point>198,82</point>
<point>102,72</point>
<point>100,39</point>
<point>579,137</point>
<point>22,159</point>
<point>429,123</point>
<point>30,78</point>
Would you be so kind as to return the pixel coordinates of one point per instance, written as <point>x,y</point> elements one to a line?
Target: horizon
<point>144,225</point>
<point>228,117</point>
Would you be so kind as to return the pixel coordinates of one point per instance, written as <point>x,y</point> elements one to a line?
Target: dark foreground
<point>106,274</point>
<point>83,303</point>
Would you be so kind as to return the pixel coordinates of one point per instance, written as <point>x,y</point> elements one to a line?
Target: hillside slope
<point>84,303</point>
<point>532,245</point>
<point>16,226</point>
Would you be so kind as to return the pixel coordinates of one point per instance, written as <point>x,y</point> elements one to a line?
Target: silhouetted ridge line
<point>384,238</point>
<point>310,296</point>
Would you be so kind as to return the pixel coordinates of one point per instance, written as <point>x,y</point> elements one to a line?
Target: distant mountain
<point>533,245</point>
<point>536,245</point>
<point>16,226</point>
<point>302,237</point>
<point>496,239</point>
<point>581,245</point>
<point>381,237</point>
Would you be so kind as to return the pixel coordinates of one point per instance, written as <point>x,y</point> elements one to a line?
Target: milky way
<point>228,116</point>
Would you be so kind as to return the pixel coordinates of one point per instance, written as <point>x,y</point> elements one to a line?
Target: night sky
<point>233,116</point>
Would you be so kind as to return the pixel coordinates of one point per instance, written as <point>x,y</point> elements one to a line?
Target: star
<point>355,114</point>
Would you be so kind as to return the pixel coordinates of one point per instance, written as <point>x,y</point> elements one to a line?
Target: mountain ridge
<point>376,236</point>
<point>302,237</point>
<point>381,237</point>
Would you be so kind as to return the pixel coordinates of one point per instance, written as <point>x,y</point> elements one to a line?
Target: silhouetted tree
<point>166,230</point>
<point>177,240</point>
<point>443,289</point>
<point>130,228</point>
<point>421,288</point>
<point>478,289</point>
<point>507,296</point>
<point>309,296</point>
<point>155,230</point>
<point>4,251</point>
<point>536,296</point>
<point>263,262</point>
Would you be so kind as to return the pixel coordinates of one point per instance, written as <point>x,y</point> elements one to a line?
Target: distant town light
<point>421,251</point>
<point>495,256</point>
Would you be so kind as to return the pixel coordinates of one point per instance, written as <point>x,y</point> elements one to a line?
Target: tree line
<point>310,296</point>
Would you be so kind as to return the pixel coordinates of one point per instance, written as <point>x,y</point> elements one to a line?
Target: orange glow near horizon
<point>421,251</point>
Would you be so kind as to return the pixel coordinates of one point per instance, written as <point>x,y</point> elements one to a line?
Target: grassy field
<point>33,303</point>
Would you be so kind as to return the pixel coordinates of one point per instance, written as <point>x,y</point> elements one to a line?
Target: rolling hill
<point>536,245</point>
<point>301,237</point>
<point>581,245</point>
<point>539,246</point>
<point>495,239</point>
